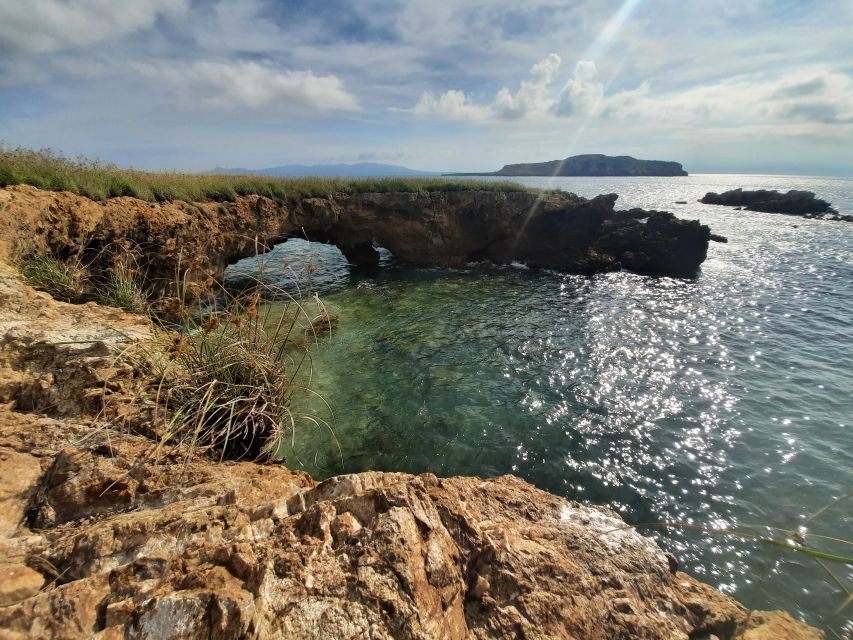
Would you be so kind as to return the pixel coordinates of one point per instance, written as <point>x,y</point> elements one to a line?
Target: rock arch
<point>559,231</point>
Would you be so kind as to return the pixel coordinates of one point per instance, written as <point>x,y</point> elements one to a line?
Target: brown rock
<point>344,527</point>
<point>118,613</point>
<point>18,475</point>
<point>18,583</point>
<point>768,625</point>
<point>559,231</point>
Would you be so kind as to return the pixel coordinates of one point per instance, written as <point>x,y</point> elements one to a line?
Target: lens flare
<point>598,48</point>
<point>611,30</point>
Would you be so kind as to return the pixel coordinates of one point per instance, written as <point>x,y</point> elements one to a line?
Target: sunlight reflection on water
<point>721,401</point>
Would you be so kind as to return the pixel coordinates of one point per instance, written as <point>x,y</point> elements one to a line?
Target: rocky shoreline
<point>107,533</point>
<point>559,231</point>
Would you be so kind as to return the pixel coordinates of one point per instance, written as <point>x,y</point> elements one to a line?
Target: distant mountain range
<point>589,165</point>
<point>358,170</point>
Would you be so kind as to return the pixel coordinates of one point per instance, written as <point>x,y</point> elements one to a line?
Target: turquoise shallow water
<point>720,401</point>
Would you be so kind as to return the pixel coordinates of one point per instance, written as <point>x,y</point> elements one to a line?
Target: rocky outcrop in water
<point>794,203</point>
<point>558,231</point>
<point>592,164</point>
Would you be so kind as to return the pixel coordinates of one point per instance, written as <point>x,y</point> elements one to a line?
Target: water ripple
<point>721,401</point>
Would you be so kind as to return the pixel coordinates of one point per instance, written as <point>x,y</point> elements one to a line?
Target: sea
<point>692,407</point>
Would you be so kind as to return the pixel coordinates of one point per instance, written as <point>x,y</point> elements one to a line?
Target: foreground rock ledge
<point>558,231</point>
<point>102,538</point>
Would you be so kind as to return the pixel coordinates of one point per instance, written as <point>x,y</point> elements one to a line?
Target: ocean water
<point>717,402</point>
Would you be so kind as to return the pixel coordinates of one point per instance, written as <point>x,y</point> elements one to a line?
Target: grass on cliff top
<point>51,171</point>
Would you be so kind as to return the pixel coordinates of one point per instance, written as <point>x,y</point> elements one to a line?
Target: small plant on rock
<point>227,377</point>
<point>64,280</point>
<point>121,285</point>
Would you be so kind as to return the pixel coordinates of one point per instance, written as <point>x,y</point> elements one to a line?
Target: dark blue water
<point>721,401</point>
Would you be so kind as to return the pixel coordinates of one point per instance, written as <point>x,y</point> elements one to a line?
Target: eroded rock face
<point>558,231</point>
<point>106,535</point>
<point>59,358</point>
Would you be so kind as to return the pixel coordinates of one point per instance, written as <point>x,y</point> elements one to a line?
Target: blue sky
<point>719,85</point>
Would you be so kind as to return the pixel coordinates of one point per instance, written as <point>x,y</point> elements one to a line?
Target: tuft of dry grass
<point>64,280</point>
<point>227,377</point>
<point>121,283</point>
<point>73,281</point>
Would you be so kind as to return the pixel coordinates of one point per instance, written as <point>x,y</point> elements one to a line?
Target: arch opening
<point>299,266</point>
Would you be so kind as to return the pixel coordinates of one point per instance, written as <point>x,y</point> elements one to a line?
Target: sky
<point>749,86</point>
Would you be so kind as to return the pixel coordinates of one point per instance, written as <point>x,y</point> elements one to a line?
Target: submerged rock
<point>106,535</point>
<point>797,203</point>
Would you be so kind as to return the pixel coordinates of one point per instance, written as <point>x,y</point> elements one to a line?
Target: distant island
<point>594,164</point>
<point>358,170</point>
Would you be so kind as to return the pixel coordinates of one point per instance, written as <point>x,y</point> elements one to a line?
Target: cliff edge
<point>560,231</point>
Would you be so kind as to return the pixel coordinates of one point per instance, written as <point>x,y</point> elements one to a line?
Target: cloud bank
<point>251,85</point>
<point>538,96</point>
<point>806,96</point>
<point>43,26</point>
<point>444,85</point>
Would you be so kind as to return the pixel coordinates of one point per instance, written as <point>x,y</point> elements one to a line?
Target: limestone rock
<point>778,624</point>
<point>559,231</point>
<point>368,555</point>
<point>19,473</point>
<point>18,582</point>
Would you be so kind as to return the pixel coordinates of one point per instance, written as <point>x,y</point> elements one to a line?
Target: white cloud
<point>532,100</point>
<point>536,99</point>
<point>42,26</point>
<point>777,79</point>
<point>232,85</point>
<point>453,105</point>
<point>583,93</point>
<point>623,101</point>
<point>801,101</point>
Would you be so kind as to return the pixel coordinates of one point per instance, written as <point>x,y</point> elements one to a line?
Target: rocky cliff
<point>107,533</point>
<point>592,164</point>
<point>558,231</point>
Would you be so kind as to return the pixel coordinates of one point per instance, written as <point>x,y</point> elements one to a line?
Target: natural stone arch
<point>197,241</point>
